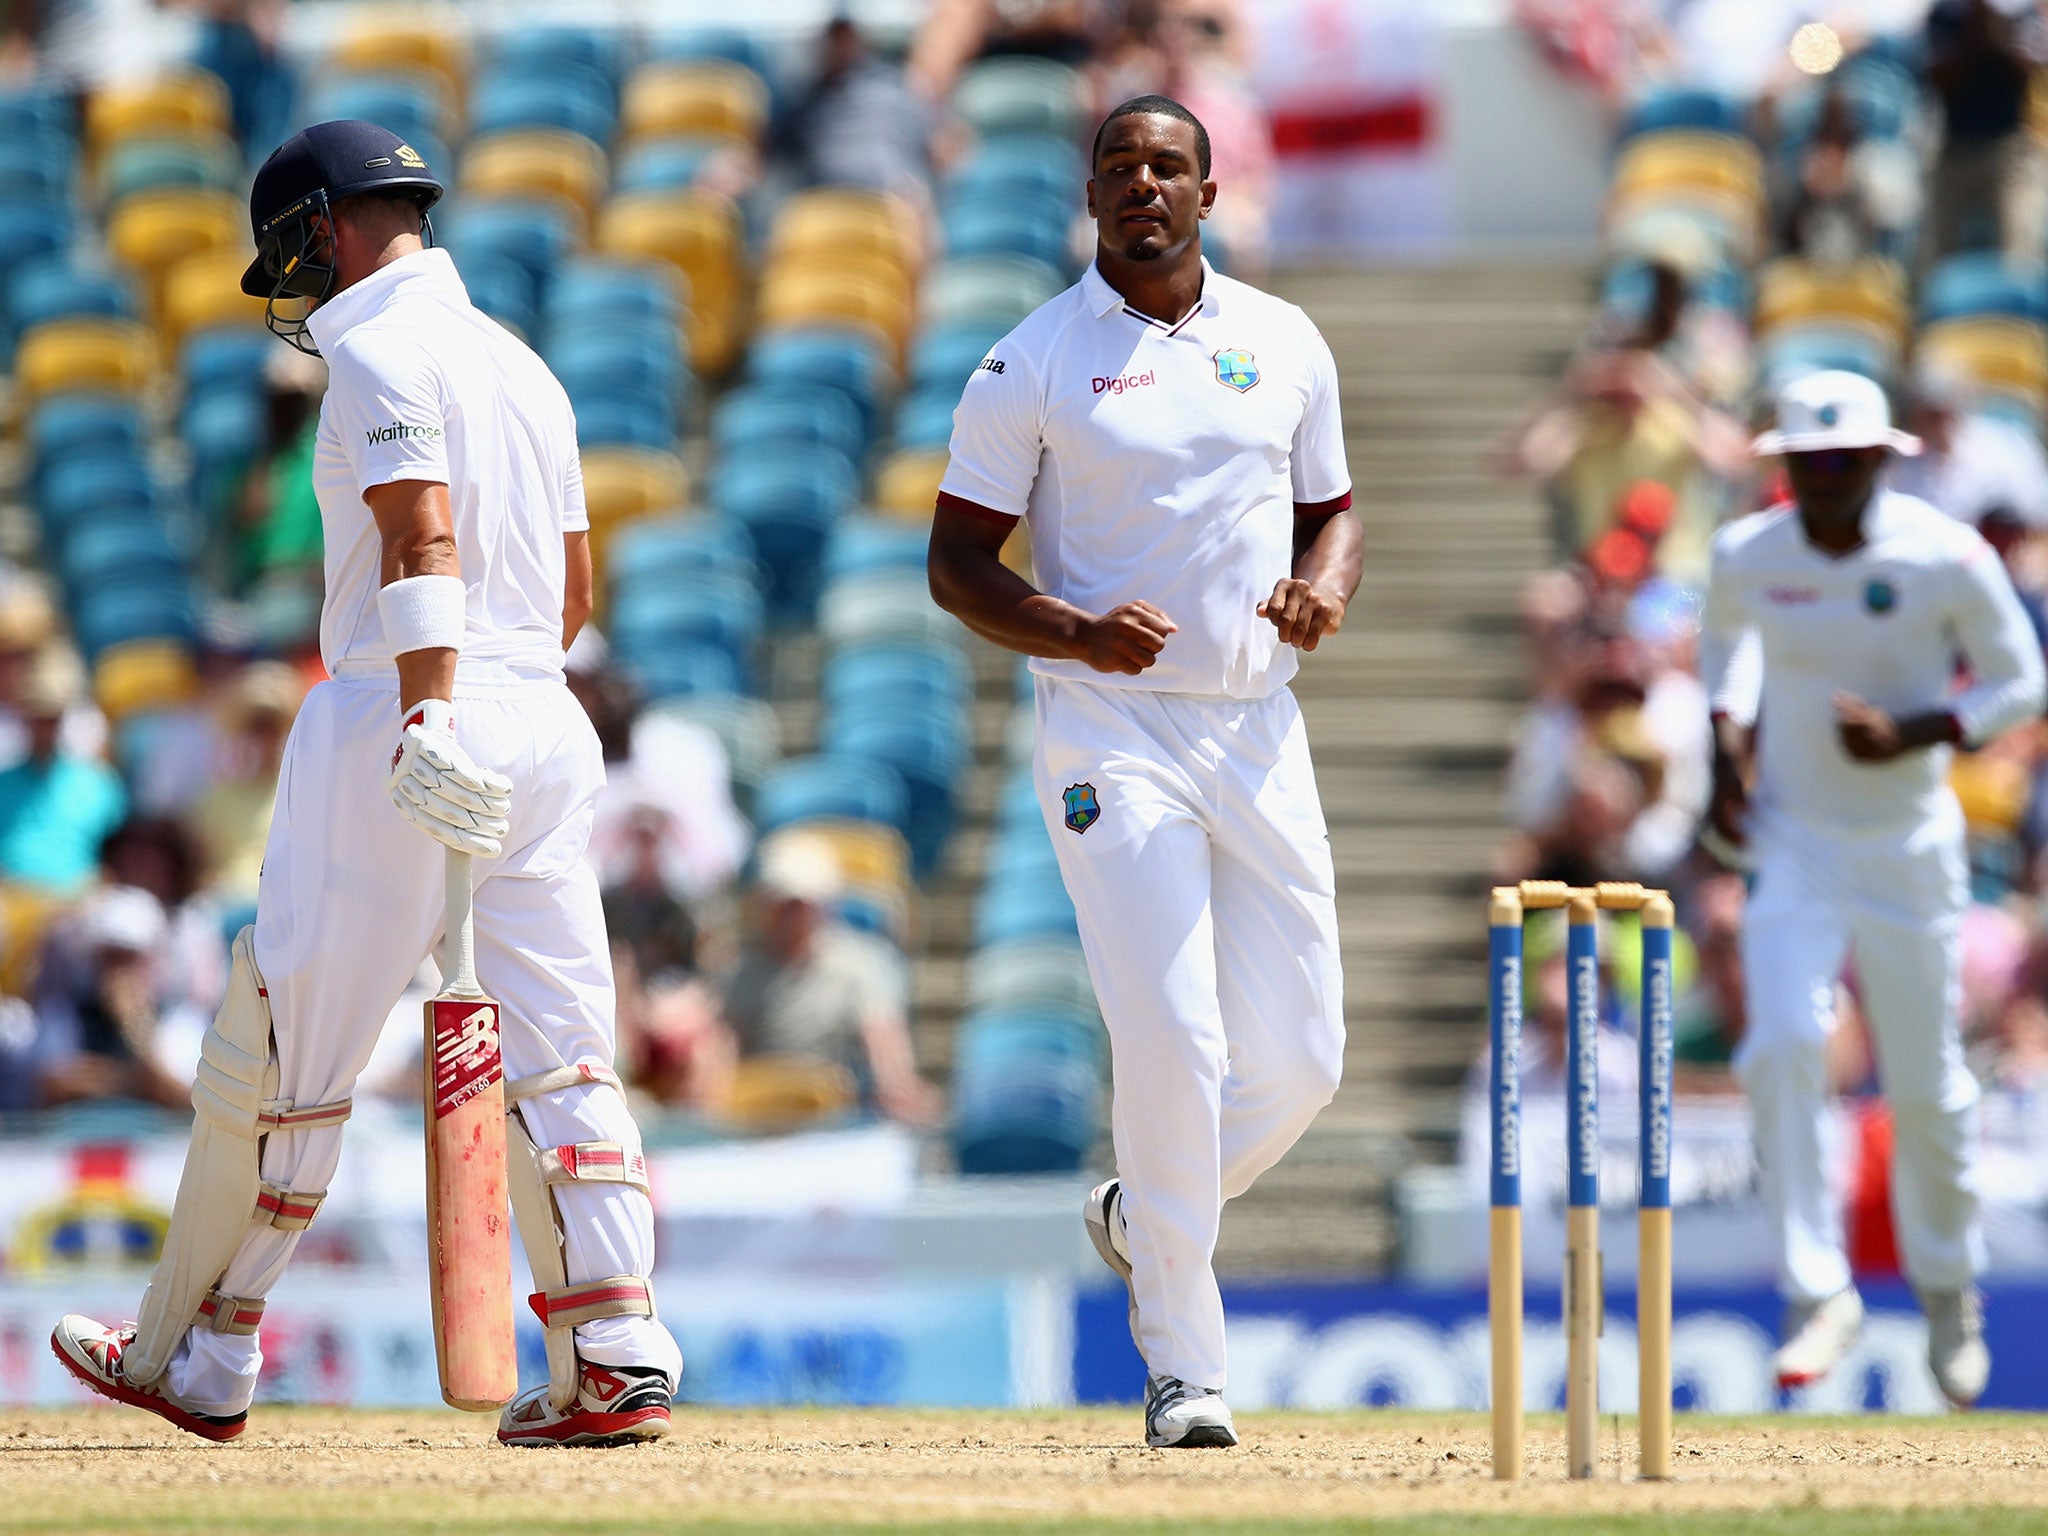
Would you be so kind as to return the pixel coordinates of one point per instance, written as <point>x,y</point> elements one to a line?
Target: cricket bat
<point>469,1228</point>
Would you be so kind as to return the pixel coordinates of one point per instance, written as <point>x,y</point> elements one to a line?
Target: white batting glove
<point>439,789</point>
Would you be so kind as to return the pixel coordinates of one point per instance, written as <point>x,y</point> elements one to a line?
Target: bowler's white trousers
<point>1891,902</point>
<point>350,901</point>
<point>1207,906</point>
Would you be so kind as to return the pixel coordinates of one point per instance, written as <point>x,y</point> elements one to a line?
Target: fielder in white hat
<point>1838,619</point>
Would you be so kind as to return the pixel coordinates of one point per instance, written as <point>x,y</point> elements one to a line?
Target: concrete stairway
<point>1409,711</point>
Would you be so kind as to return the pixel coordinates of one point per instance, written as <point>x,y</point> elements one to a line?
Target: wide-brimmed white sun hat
<point>1833,409</point>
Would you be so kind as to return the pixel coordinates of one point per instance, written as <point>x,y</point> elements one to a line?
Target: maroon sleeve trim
<point>948,502</point>
<point>1323,508</point>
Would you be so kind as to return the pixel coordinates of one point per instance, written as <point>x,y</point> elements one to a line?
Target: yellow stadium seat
<point>875,268</point>
<point>551,162</point>
<point>697,233</point>
<point>624,483</point>
<point>190,101</point>
<point>908,484</point>
<point>841,220</point>
<point>405,39</point>
<point>25,918</point>
<point>1870,293</point>
<point>784,1093</point>
<point>1999,354</point>
<point>84,352</point>
<point>144,675</point>
<point>871,856</point>
<point>152,231</point>
<point>823,296</point>
<point>709,97</point>
<point>203,291</point>
<point>1715,162</point>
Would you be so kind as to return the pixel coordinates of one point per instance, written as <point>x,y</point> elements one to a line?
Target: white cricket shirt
<point>424,386</point>
<point>1787,626</point>
<point>1159,462</point>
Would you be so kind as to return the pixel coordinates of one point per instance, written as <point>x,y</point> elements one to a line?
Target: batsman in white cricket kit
<point>1171,462</point>
<point>1859,857</point>
<point>423,388</point>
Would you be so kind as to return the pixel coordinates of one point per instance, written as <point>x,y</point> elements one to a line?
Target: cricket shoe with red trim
<point>92,1352</point>
<point>615,1405</point>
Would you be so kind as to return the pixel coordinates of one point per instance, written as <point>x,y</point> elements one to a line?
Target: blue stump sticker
<point>1083,809</point>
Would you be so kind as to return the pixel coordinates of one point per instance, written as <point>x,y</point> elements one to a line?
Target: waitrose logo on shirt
<point>399,432</point>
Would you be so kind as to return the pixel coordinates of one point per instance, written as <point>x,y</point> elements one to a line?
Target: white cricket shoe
<point>1103,1214</point>
<point>93,1352</point>
<point>1817,1335</point>
<point>615,1405</point>
<point>1189,1418</point>
<point>1955,1343</point>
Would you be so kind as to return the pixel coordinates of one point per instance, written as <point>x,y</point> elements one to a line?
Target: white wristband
<point>423,613</point>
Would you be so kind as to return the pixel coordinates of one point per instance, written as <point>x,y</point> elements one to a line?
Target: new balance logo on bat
<point>466,1054</point>
<point>399,432</point>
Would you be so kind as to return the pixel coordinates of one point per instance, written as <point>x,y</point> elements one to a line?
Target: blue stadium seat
<point>989,289</point>
<point>408,102</point>
<point>224,429</point>
<point>36,166</point>
<point>948,356</point>
<point>504,289</point>
<point>114,549</point>
<point>538,235</point>
<point>739,46</point>
<point>55,287</point>
<point>711,608</point>
<point>82,425</point>
<point>1026,910</point>
<point>226,355</point>
<point>602,51</point>
<point>987,228</point>
<point>1980,283</point>
<point>925,419</point>
<point>1679,107</point>
<point>74,492</point>
<point>624,420</point>
<point>128,609</point>
<point>1027,1091</point>
<point>789,505</point>
<point>37,108</point>
<point>863,544</point>
<point>1046,161</point>
<point>778,418</point>
<point>663,165</point>
<point>685,672</point>
<point>590,292</point>
<point>544,94</point>
<point>641,358</point>
<point>858,675</point>
<point>828,787</point>
<point>29,230</point>
<point>853,362</point>
<point>670,548</point>
<point>929,747</point>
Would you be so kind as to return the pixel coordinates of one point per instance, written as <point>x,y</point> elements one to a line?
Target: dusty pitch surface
<point>308,1469</point>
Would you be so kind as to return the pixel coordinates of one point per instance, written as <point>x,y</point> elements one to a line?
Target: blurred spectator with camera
<point>102,1029</point>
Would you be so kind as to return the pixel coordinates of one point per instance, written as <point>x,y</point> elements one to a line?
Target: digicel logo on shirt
<point>398,432</point>
<point>1128,381</point>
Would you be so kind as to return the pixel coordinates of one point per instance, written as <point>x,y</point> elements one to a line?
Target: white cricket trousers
<point>1891,903</point>
<point>351,900</point>
<point>1207,906</point>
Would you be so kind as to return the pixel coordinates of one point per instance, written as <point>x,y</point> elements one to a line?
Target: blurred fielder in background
<point>458,562</point>
<point>1173,439</point>
<point>1829,649</point>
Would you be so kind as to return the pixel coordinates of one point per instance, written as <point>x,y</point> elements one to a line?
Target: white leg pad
<point>532,1171</point>
<point>222,1193</point>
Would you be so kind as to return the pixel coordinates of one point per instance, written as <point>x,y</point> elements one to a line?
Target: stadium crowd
<point>667,218</point>
<point>1878,209</point>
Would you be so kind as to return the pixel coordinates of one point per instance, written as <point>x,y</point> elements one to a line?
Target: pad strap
<point>284,1115</point>
<point>285,1209</point>
<point>230,1314</point>
<point>593,1162</point>
<point>618,1296</point>
<point>584,1074</point>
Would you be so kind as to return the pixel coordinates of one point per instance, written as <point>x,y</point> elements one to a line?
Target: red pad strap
<point>615,1296</point>
<point>230,1314</point>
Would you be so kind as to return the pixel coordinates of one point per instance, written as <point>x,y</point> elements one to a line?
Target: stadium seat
<point>42,107</point>
<point>180,102</point>
<point>210,162</point>
<point>204,292</point>
<point>223,429</point>
<point>994,289</point>
<point>560,95</point>
<point>861,546</point>
<point>642,358</point>
<point>151,231</point>
<point>1031,973</point>
<point>37,165</point>
<point>624,420</point>
<point>708,97</point>
<point>774,1095</point>
<point>1036,910</point>
<point>503,288</point>
<point>699,234</point>
<point>392,40</point>
<point>601,50</point>
<point>733,43</point>
<point>413,102</point>
<point>150,610</point>
<point>108,485</point>
<point>1998,354</point>
<point>854,362</point>
<point>717,609</point>
<point>948,355</point>
<point>624,483</point>
<point>670,164</point>
<point>231,355</point>
<point>907,485</point>
<point>593,292</point>
<point>789,504</point>
<point>537,163</point>
<point>883,606</point>
<point>826,787</point>
<point>1981,283</point>
<point>1793,350</point>
<point>1869,294</point>
<point>84,425</point>
<point>836,296</point>
<point>685,672</point>
<point>843,222</point>
<point>538,233</point>
<point>779,418</point>
<point>989,228</point>
<point>55,289</point>
<point>30,231</point>
<point>928,677</point>
<point>1022,95</point>
<point>142,677</point>
<point>108,548</point>
<point>924,422</point>
<point>1663,107</point>
<point>97,352</point>
<point>1023,161</point>
<point>666,549</point>
<point>1027,1091</point>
